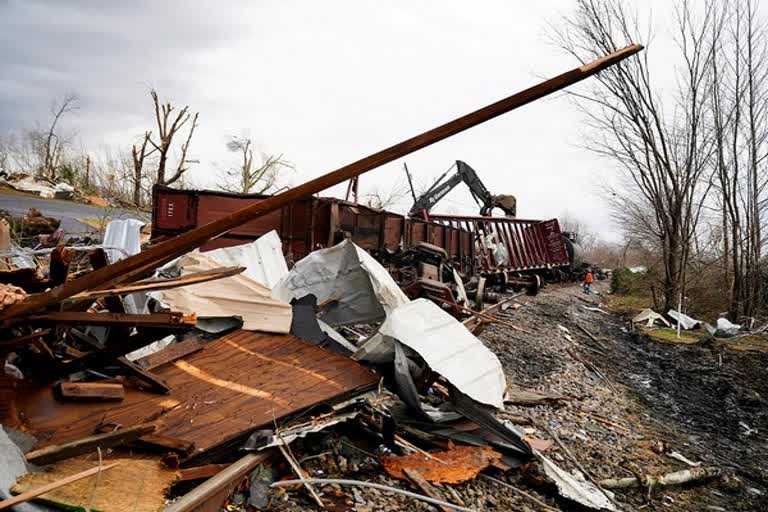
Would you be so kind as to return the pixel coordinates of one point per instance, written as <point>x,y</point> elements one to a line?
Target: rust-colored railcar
<point>319,222</point>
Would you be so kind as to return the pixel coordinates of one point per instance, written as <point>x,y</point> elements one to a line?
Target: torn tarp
<point>123,236</point>
<point>445,345</point>
<point>684,320</point>
<point>723,329</point>
<point>234,296</point>
<point>649,317</point>
<point>263,259</point>
<point>351,287</point>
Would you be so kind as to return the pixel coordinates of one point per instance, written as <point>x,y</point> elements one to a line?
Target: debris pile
<point>262,388</point>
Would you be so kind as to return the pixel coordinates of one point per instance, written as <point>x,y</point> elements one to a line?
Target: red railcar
<point>317,222</point>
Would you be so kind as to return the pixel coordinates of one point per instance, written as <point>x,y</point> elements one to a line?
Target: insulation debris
<point>133,484</point>
<point>235,296</point>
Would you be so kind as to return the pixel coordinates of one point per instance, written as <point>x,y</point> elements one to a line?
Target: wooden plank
<point>54,453</point>
<point>154,320</point>
<point>170,353</point>
<point>215,485</point>
<point>124,270</point>
<point>156,442</point>
<point>421,484</point>
<point>91,391</point>
<point>98,358</point>
<point>161,284</point>
<point>148,379</point>
<point>200,472</point>
<point>38,491</point>
<point>240,382</point>
<point>23,340</point>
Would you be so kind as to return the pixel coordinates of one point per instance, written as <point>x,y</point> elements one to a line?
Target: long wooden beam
<point>167,250</point>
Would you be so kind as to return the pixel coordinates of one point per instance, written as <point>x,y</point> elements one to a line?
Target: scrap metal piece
<point>453,466</point>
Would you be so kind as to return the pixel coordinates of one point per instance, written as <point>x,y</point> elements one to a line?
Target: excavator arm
<point>467,174</point>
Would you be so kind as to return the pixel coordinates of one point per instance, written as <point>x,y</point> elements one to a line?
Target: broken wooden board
<point>240,382</point>
<point>139,485</point>
<point>170,353</point>
<point>55,453</point>
<point>517,396</point>
<point>154,284</point>
<point>91,391</point>
<point>453,466</point>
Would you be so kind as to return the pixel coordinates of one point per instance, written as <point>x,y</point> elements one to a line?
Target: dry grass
<point>629,305</point>
<point>669,335</point>
<point>746,343</point>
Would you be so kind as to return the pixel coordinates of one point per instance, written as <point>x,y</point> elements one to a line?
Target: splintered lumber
<point>22,340</point>
<point>170,353</point>
<point>474,321</point>
<point>57,452</point>
<point>98,358</point>
<point>38,491</point>
<point>674,478</point>
<point>126,269</point>
<point>171,320</point>
<point>219,483</point>
<point>153,284</point>
<point>419,481</point>
<point>148,379</point>
<point>135,485</point>
<point>91,391</point>
<point>201,472</point>
<point>162,443</point>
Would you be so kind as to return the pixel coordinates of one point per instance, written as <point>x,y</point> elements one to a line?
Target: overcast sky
<point>324,83</point>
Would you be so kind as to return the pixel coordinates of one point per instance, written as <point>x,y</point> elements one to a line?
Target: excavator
<point>487,201</point>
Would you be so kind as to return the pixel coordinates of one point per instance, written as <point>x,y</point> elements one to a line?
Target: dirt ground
<point>637,399</point>
<point>630,402</point>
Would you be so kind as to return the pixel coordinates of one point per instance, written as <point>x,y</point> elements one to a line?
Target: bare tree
<point>139,155</point>
<point>664,156</point>
<point>52,143</point>
<point>168,126</point>
<point>586,238</point>
<point>244,178</point>
<point>381,197</point>
<point>739,108</point>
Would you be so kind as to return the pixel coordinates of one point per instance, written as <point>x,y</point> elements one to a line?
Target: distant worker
<point>588,281</point>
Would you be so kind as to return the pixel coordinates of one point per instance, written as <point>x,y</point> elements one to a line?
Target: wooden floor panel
<point>235,384</point>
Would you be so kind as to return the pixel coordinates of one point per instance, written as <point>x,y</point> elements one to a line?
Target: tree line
<point>691,157</point>
<point>160,156</point>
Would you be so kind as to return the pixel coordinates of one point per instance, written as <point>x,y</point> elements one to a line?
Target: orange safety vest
<point>588,278</point>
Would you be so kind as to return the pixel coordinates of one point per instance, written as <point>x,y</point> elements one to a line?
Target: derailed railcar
<point>501,248</point>
<point>308,224</point>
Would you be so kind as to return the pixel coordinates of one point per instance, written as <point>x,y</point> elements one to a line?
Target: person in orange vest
<point>588,281</point>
